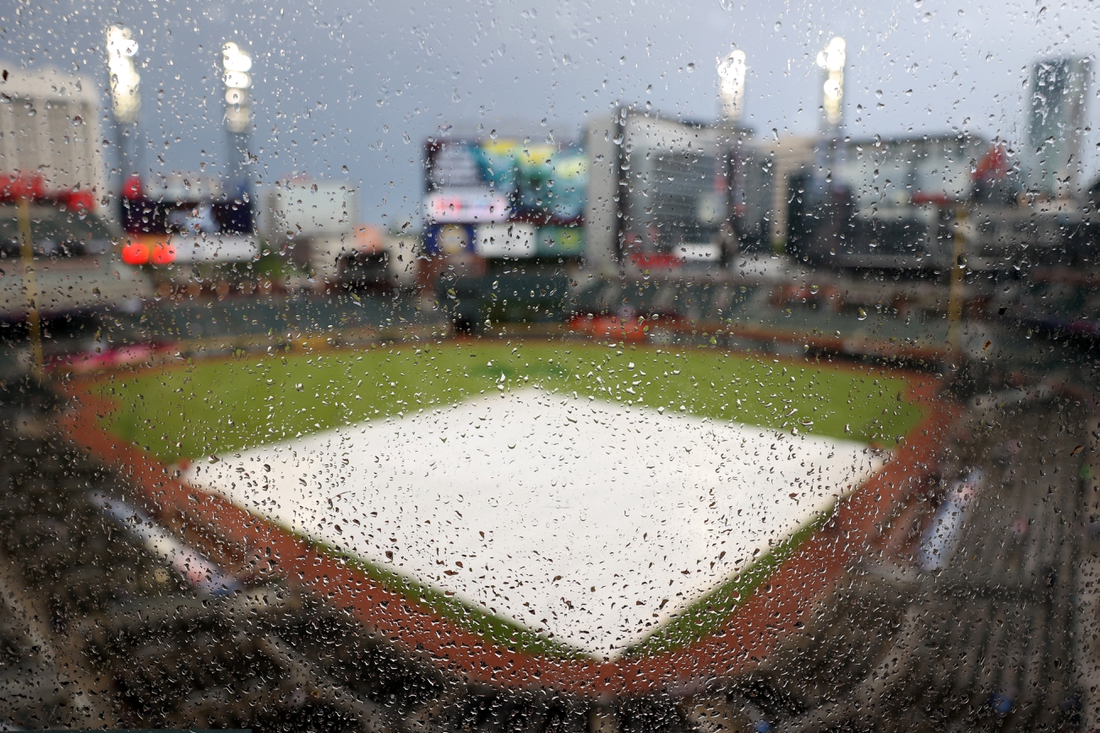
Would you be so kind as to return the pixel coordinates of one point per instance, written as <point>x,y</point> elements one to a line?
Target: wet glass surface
<point>563,367</point>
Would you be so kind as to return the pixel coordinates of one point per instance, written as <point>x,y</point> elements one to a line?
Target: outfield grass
<point>226,405</point>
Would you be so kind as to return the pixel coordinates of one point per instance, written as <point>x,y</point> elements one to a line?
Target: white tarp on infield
<point>588,521</point>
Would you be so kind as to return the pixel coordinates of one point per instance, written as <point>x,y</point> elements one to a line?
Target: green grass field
<point>225,405</point>
<point>230,404</point>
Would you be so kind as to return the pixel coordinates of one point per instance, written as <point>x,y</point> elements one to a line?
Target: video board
<point>504,198</point>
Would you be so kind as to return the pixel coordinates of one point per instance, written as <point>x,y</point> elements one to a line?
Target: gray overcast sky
<point>351,91</point>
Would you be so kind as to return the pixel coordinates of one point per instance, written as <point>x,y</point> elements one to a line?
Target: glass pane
<point>571,367</point>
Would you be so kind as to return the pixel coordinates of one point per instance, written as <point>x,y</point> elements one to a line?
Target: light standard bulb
<point>831,61</point>
<point>124,77</point>
<point>236,63</point>
<point>731,84</point>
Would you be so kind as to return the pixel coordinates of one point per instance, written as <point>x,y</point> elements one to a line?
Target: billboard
<point>185,219</point>
<point>504,198</point>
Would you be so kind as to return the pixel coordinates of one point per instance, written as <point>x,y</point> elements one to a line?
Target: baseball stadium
<point>415,369</point>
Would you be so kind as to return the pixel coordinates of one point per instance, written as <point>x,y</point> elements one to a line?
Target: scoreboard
<point>504,198</point>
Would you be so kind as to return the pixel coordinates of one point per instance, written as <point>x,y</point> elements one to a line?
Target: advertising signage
<point>467,205</point>
<point>504,198</point>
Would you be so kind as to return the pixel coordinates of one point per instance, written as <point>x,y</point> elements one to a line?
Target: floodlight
<point>237,80</point>
<point>124,77</point>
<point>731,84</point>
<point>235,58</point>
<point>831,60</point>
<point>236,63</point>
<point>832,57</point>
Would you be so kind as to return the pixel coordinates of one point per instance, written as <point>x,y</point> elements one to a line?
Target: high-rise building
<point>50,128</point>
<point>658,191</point>
<point>1056,118</point>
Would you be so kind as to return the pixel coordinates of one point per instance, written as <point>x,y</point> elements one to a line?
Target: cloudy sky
<point>351,91</point>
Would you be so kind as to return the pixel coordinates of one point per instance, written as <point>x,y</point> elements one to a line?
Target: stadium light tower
<point>731,85</point>
<point>236,68</point>
<point>125,93</point>
<point>831,61</point>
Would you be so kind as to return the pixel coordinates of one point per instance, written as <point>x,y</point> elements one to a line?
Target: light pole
<point>125,94</point>
<point>958,284</point>
<point>731,86</point>
<point>732,70</point>
<point>26,251</point>
<point>831,60</point>
<point>236,65</point>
